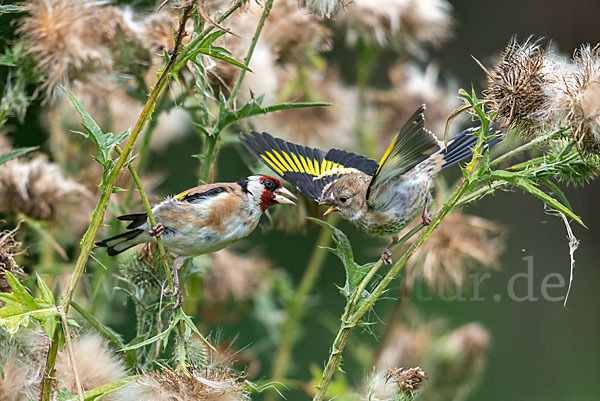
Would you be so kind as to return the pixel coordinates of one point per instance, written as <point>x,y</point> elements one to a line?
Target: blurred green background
<point>540,350</point>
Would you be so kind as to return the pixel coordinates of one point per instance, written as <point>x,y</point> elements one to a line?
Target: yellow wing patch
<point>282,162</point>
<point>387,153</point>
<point>182,195</point>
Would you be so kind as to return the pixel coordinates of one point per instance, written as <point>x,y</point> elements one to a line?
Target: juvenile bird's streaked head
<point>268,190</point>
<point>347,195</point>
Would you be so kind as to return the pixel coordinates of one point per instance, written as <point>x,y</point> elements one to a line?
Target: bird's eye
<point>343,199</point>
<point>270,184</point>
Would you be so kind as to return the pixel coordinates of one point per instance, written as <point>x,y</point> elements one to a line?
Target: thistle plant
<point>237,66</point>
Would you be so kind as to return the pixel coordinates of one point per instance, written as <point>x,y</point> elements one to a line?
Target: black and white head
<point>267,190</point>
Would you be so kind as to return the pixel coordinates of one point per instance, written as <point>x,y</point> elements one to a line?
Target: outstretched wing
<point>308,169</point>
<point>411,146</point>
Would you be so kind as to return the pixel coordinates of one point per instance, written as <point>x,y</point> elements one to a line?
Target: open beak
<point>279,198</point>
<point>331,210</point>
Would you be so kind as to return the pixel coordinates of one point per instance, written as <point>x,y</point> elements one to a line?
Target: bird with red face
<point>203,219</point>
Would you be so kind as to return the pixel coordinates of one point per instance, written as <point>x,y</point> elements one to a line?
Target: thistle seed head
<point>583,100</point>
<point>38,189</point>
<point>461,241</point>
<point>408,379</point>
<point>400,22</point>
<point>169,385</point>
<point>522,88</point>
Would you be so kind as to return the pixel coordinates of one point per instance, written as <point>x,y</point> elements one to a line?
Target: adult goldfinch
<point>378,198</point>
<point>202,219</point>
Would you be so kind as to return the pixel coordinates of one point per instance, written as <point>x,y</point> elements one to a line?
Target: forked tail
<point>119,243</point>
<point>460,147</point>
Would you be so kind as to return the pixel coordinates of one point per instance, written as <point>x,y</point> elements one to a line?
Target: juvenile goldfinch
<point>378,198</point>
<point>202,219</point>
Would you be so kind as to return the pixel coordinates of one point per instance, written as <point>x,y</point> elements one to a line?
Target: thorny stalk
<point>97,218</point>
<point>265,14</point>
<point>161,248</point>
<point>362,301</point>
<point>212,140</point>
<point>355,311</point>
<point>69,344</point>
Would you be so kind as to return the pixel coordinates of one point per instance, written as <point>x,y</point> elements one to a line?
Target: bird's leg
<point>157,230</point>
<point>427,215</point>
<point>386,255</point>
<point>176,287</point>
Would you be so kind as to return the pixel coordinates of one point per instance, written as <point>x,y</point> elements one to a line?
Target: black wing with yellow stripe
<point>308,169</point>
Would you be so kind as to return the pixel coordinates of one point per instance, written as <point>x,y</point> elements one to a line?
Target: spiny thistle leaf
<point>222,54</point>
<point>253,108</point>
<point>355,273</point>
<point>11,9</point>
<point>530,187</point>
<point>104,142</point>
<point>20,306</point>
<point>15,153</point>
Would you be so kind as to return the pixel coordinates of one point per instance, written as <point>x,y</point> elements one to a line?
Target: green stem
<point>161,248</point>
<point>261,23</point>
<point>207,157</point>
<point>49,372</point>
<point>212,140</point>
<point>531,144</point>
<point>87,243</point>
<point>190,49</point>
<point>71,354</point>
<point>480,192</point>
<point>353,314</point>
<point>296,307</point>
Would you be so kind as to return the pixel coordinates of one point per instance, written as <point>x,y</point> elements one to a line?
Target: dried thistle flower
<point>158,29</point>
<point>460,241</point>
<point>406,343</point>
<point>20,380</point>
<point>9,248</point>
<point>96,365</point>
<point>38,189</point>
<point>71,39</point>
<point>583,100</point>
<point>470,341</point>
<point>456,362</point>
<point>407,22</point>
<point>293,33</point>
<point>324,8</point>
<point>169,385</point>
<point>523,88</point>
<point>398,384</point>
<point>407,379</point>
<point>235,275</point>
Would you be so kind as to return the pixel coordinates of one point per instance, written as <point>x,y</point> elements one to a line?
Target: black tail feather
<point>113,242</point>
<point>461,145</point>
<point>137,219</point>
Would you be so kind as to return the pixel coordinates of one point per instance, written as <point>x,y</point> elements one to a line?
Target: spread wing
<point>308,169</point>
<point>411,146</point>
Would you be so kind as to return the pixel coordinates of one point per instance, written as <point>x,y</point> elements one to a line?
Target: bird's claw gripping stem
<point>427,215</point>
<point>157,230</point>
<point>386,255</point>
